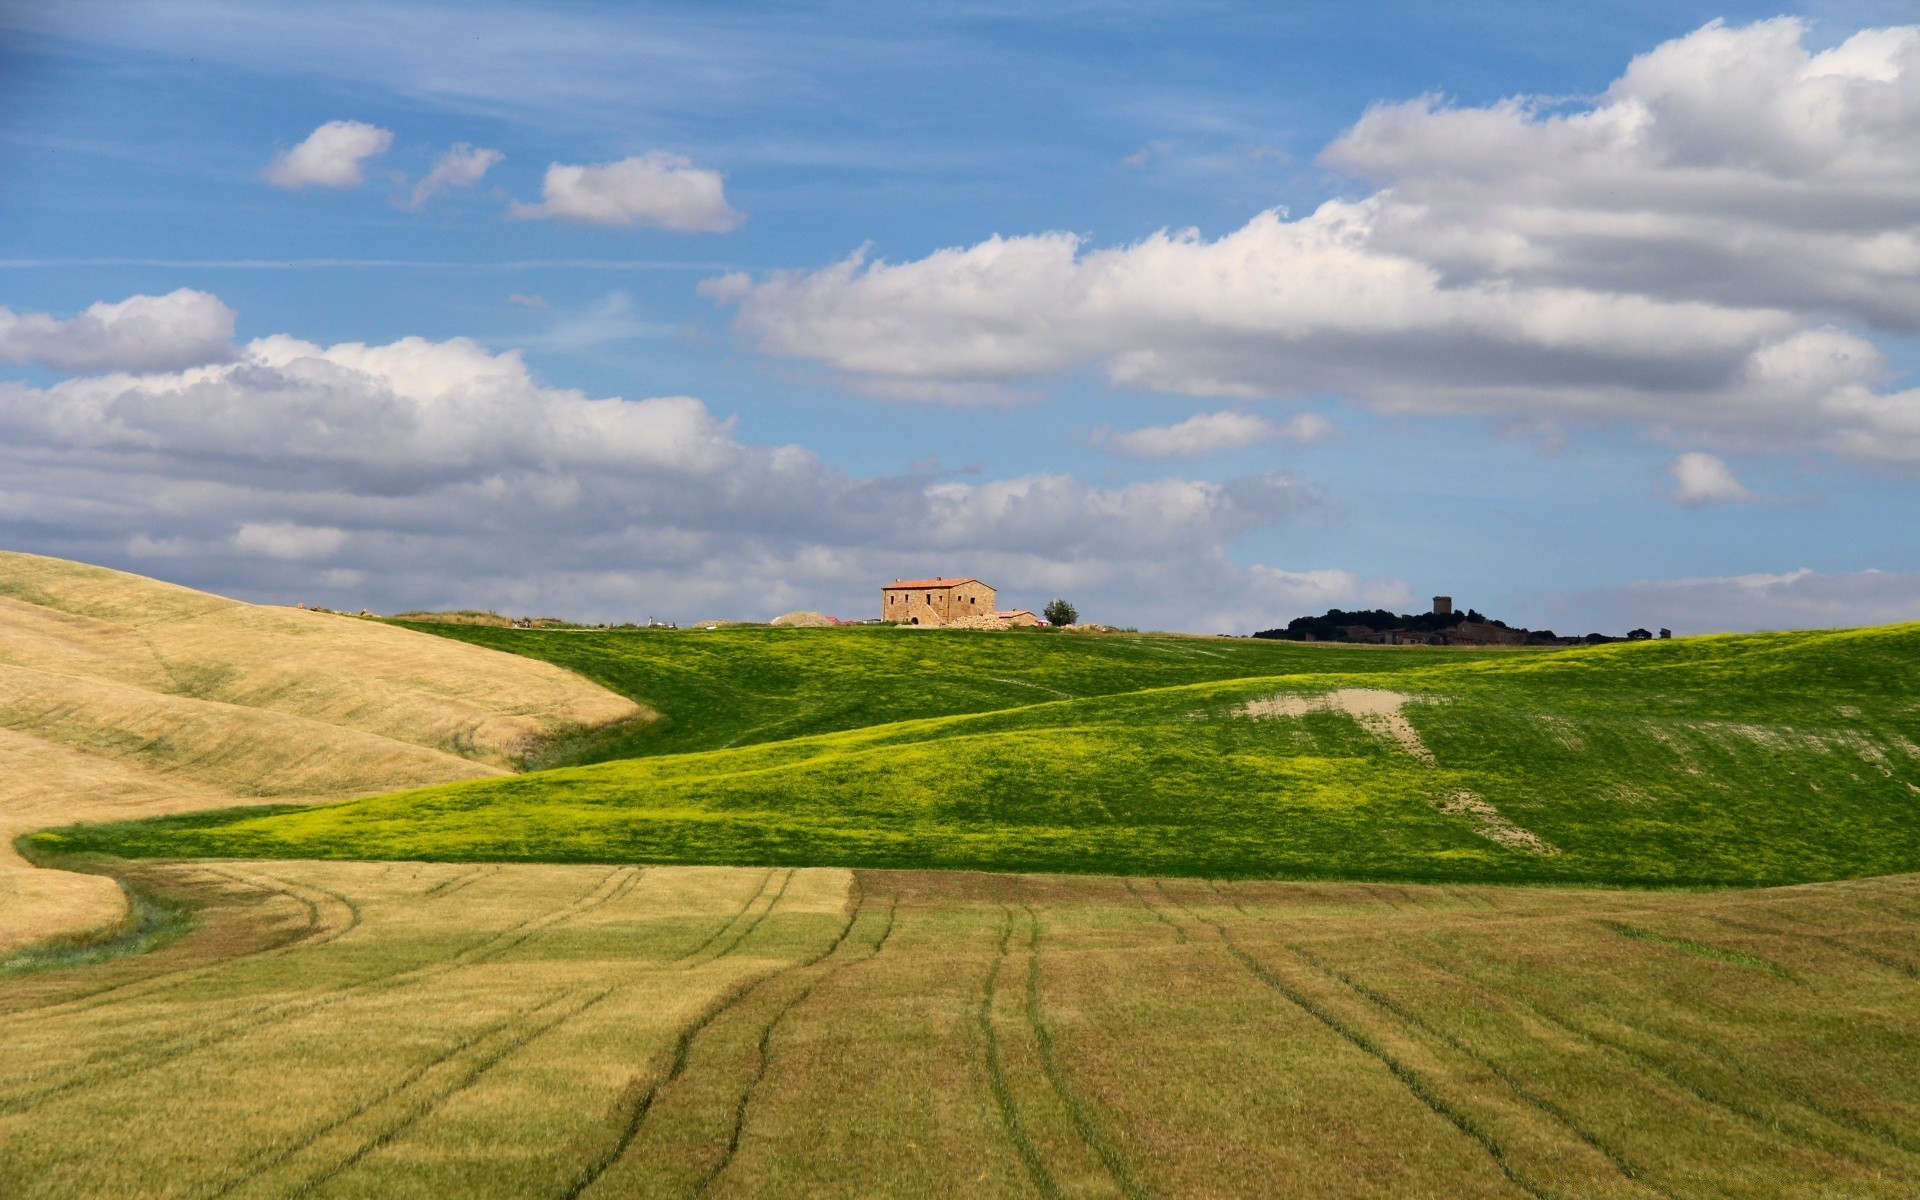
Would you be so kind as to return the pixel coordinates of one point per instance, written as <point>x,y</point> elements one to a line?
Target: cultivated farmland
<point>1754,759</point>
<point>413,1030</point>
<point>704,952</point>
<point>121,696</point>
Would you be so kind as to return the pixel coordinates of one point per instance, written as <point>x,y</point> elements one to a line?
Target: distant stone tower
<point>1443,606</point>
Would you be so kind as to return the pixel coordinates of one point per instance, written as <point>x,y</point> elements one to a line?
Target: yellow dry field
<point>122,696</point>
<point>410,1030</point>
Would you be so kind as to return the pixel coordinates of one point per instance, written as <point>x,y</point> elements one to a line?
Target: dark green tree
<point>1059,612</point>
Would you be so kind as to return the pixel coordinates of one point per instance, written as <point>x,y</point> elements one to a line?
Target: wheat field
<point>406,1029</point>
<point>122,696</point>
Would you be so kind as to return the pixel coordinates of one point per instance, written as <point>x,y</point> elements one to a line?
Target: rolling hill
<point>1731,760</point>
<point>123,696</point>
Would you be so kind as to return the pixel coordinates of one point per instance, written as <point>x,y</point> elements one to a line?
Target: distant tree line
<point>1332,626</point>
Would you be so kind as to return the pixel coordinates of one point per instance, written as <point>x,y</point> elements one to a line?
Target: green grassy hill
<point>1751,759</point>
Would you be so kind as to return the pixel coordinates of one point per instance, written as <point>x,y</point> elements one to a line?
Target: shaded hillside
<point>747,686</point>
<point>121,696</point>
<point>1753,759</point>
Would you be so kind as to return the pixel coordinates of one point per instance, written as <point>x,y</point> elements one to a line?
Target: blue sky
<point>953,404</point>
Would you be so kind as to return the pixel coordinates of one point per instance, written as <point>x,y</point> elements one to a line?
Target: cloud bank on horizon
<point>395,468</point>
<point>1718,255</point>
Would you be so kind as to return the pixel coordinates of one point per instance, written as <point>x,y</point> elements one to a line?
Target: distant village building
<point>966,603</point>
<point>935,601</point>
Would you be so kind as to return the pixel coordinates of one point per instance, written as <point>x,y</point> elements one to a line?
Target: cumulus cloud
<point>1799,599</point>
<point>1701,479</point>
<point>1204,433</point>
<point>441,473</point>
<point>1701,250</point>
<point>659,189</point>
<point>182,328</point>
<point>461,166</point>
<point>330,157</point>
<point>284,539</point>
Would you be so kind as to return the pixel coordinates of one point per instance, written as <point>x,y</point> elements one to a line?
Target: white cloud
<point>330,157</point>
<point>1204,433</point>
<point>527,300</point>
<point>1700,479</point>
<point>440,473</point>
<point>1730,165</point>
<point>182,328</point>
<point>461,166</point>
<point>1799,599</point>
<point>659,189</point>
<point>284,539</point>
<point>1687,254</point>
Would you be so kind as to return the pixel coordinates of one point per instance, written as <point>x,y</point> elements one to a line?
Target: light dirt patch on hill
<point>122,696</point>
<point>1490,823</point>
<point>1378,712</point>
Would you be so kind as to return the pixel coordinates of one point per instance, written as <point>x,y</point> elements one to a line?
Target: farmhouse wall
<point>935,601</point>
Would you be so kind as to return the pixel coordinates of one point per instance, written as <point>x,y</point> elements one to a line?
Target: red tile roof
<point>926,583</point>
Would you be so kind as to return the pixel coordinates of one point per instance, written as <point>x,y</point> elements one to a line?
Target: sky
<point>1201,316</point>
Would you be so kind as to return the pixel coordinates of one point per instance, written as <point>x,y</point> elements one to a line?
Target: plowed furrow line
<point>121,1062</point>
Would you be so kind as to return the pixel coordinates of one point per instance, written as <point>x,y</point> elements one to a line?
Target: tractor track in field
<point>268,1160</point>
<point>1897,966</point>
<point>1836,1115</point>
<point>731,921</point>
<point>744,931</point>
<point>638,1102</point>
<point>1077,1108</point>
<point>1649,1064</point>
<point>318,932</point>
<point>1031,1012</point>
<point>1179,931</point>
<point>1513,1083</point>
<point>1407,1017</point>
<point>520,1030</point>
<point>455,883</point>
<point>1411,1080</point>
<point>996,1072</point>
<point>121,1062</point>
<point>765,1062</point>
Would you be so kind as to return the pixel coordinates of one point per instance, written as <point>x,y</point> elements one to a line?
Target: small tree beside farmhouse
<point>1059,612</point>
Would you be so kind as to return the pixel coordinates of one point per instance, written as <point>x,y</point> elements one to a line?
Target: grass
<point>1720,761</point>
<point>416,1030</point>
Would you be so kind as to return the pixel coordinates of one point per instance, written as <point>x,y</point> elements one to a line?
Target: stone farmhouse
<point>963,603</point>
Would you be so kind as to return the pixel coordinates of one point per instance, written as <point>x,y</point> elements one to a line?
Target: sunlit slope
<point>122,696</point>
<point>1752,759</point>
<point>745,686</point>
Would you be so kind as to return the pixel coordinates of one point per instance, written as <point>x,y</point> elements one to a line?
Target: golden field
<point>122,696</point>
<point>404,1029</point>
